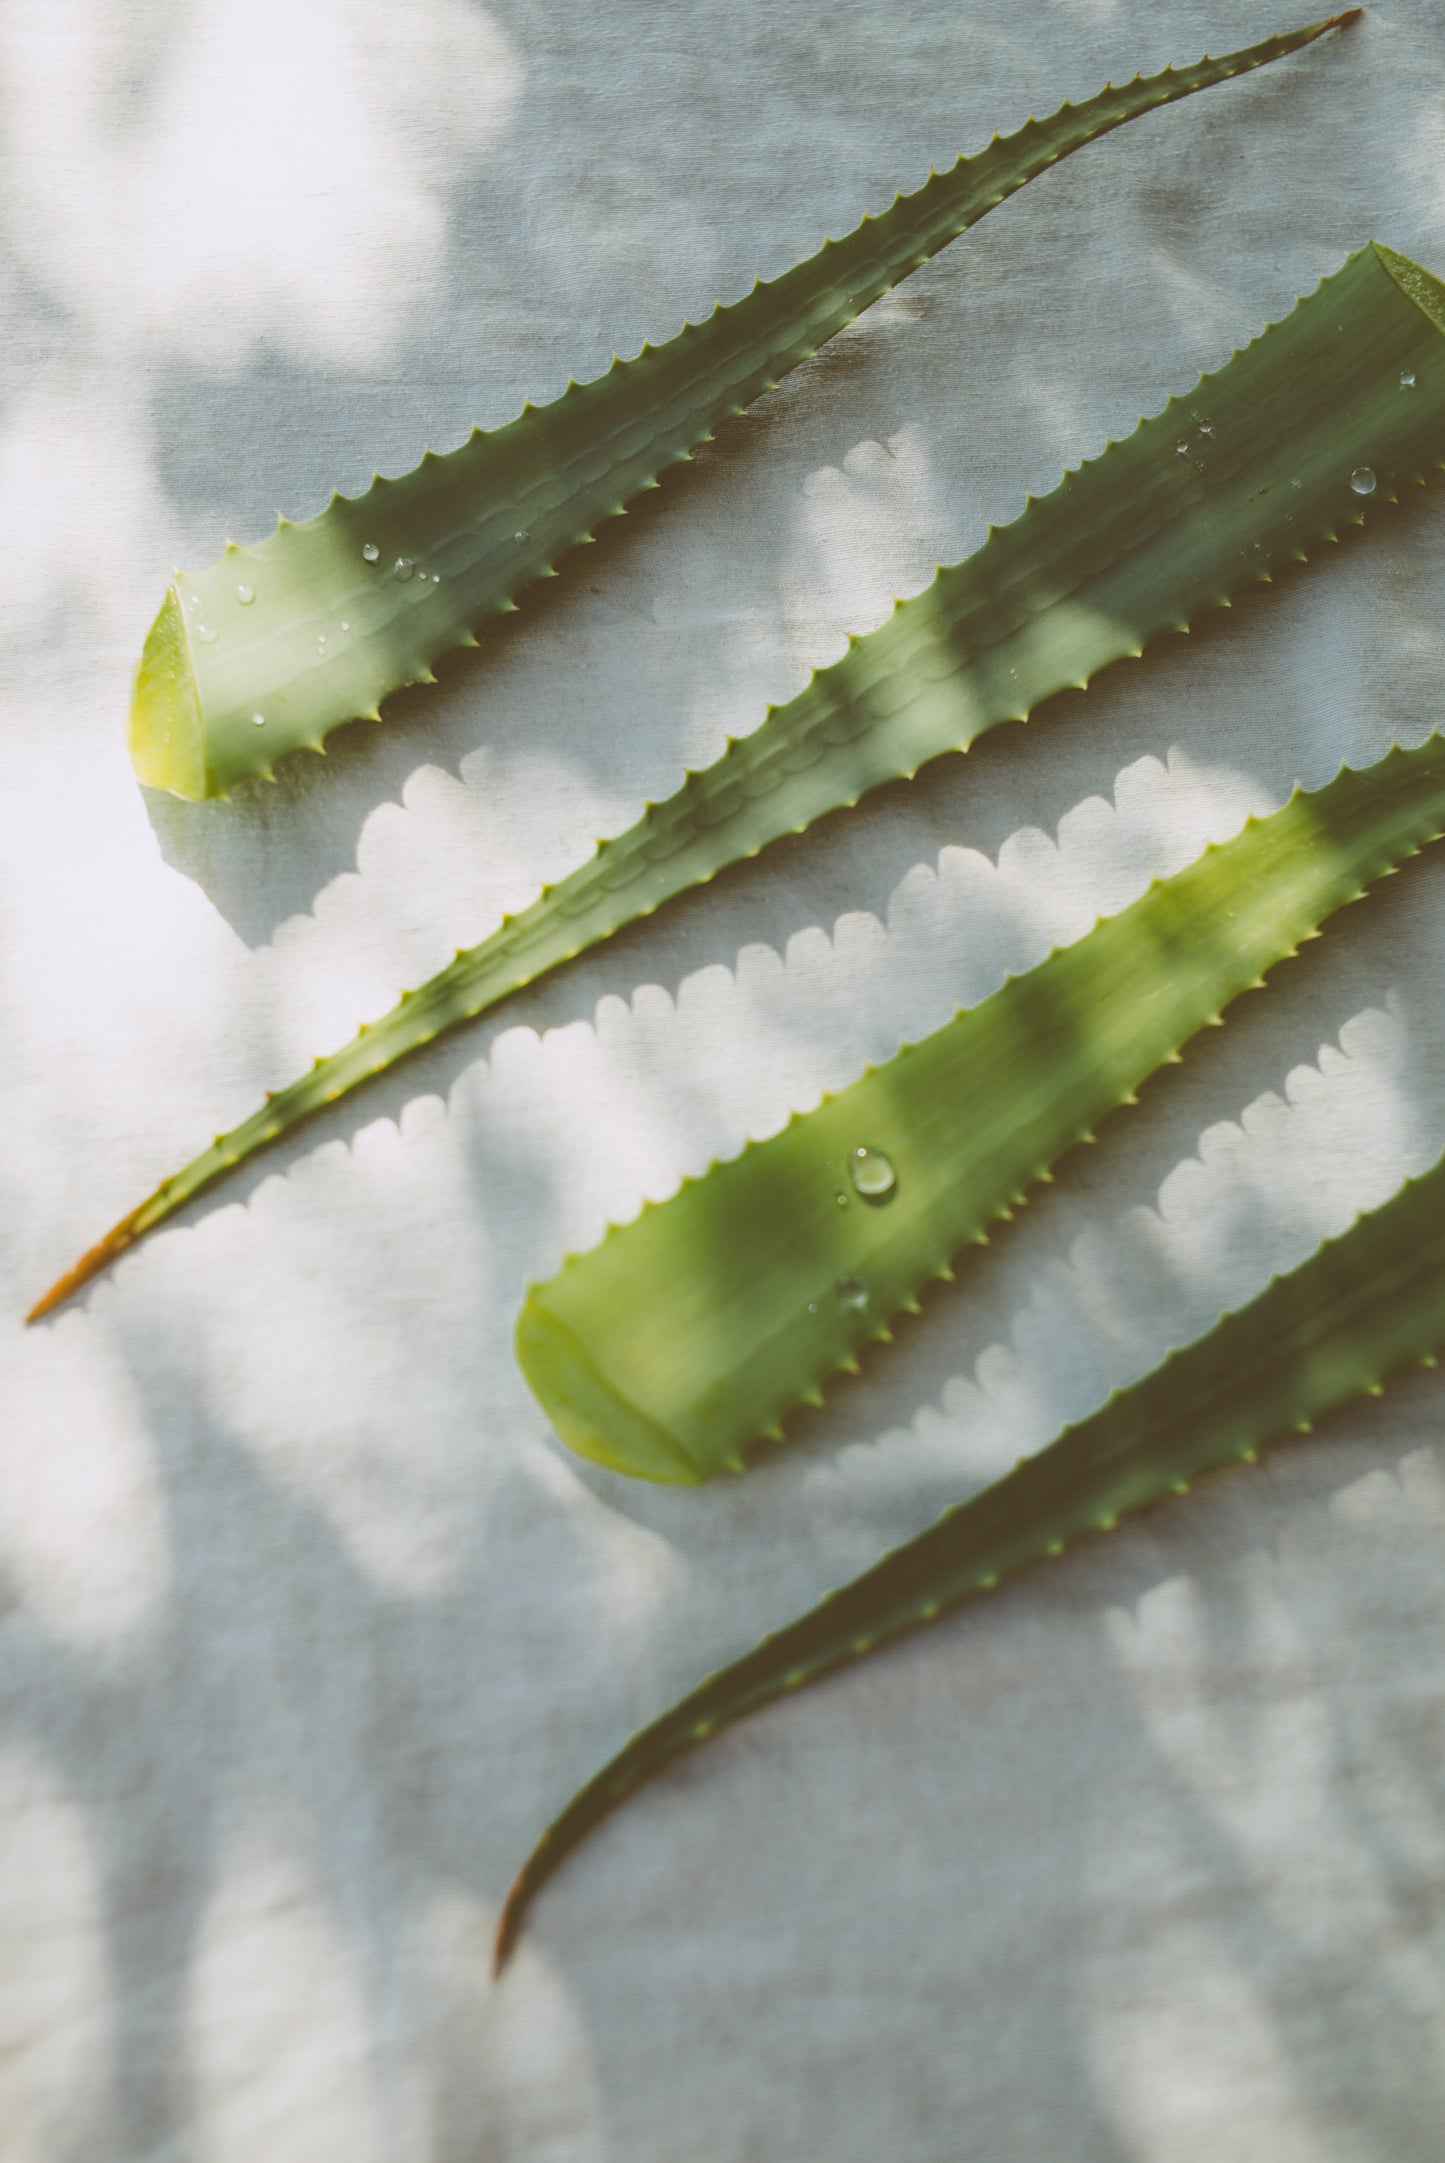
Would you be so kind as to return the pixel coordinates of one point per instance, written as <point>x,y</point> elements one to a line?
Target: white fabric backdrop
<point>307,1621</point>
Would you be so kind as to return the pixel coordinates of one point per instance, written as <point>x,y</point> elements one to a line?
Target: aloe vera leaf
<point>1136,542</point>
<point>275,645</point>
<point>695,1330</point>
<point>1364,1307</point>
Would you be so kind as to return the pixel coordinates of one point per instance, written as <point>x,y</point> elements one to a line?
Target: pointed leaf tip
<point>91,1263</point>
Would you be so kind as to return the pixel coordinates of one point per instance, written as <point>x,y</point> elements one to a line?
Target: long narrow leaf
<point>692,1332</point>
<point>1318,424</point>
<point>274,645</point>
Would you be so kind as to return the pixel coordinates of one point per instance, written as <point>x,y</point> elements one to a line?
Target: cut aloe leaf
<point>277,644</point>
<point>1364,1308</point>
<point>692,1332</point>
<point>1318,424</point>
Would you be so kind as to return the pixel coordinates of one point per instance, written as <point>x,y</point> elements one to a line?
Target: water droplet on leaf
<point>852,1292</point>
<point>872,1173</point>
<point>345,625</point>
<point>371,552</point>
<point>205,634</point>
<point>1362,480</point>
<point>521,534</point>
<point>1182,446</point>
<point>1408,379</point>
<point>403,569</point>
<point>245,595</point>
<point>258,720</point>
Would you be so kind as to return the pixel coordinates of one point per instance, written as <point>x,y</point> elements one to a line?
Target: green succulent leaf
<point>1365,1307</point>
<point>1307,430</point>
<point>275,645</point>
<point>692,1332</point>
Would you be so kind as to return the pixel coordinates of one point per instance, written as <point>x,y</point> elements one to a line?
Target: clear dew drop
<point>851,1292</point>
<point>521,534</point>
<point>195,601</point>
<point>321,642</point>
<point>812,1306</point>
<point>245,595</point>
<point>206,635</point>
<point>371,552</point>
<point>403,569</point>
<point>1362,480</point>
<point>345,625</point>
<point>1408,379</point>
<point>872,1173</point>
<point>1206,428</point>
<point>1182,446</point>
<point>840,1198</point>
<point>258,720</point>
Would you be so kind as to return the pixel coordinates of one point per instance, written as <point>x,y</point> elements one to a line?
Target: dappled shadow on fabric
<point>342,1623</point>
<point>344,1754</point>
<point>322,1658</point>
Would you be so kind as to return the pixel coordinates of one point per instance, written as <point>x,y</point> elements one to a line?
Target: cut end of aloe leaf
<point>167,733</point>
<point>1415,282</point>
<point>590,1415</point>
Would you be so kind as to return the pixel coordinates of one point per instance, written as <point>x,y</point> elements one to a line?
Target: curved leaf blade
<point>1364,1308</point>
